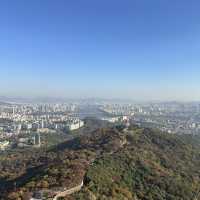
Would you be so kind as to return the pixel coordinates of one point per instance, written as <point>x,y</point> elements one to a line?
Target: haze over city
<point>99,100</point>
<point>142,50</point>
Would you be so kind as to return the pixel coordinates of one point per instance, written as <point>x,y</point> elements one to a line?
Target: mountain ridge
<point>114,163</point>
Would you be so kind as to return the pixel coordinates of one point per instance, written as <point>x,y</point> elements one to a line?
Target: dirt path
<point>69,191</point>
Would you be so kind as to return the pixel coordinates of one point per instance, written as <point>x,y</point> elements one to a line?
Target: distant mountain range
<point>4,103</point>
<point>59,100</point>
<point>19,100</point>
<point>10,100</point>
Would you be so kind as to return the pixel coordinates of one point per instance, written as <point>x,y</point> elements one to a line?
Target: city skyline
<point>136,50</point>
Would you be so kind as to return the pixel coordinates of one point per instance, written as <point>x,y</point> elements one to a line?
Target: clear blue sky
<point>139,49</point>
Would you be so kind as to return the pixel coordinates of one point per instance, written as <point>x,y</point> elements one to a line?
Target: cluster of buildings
<point>118,120</point>
<point>4,145</point>
<point>171,117</point>
<point>14,128</point>
<point>70,124</point>
<point>23,119</point>
<point>34,141</point>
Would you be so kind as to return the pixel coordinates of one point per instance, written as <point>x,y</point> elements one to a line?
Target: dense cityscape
<point>171,117</point>
<point>22,125</point>
<point>31,120</point>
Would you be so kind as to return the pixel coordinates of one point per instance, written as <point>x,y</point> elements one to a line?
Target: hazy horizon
<point>59,99</point>
<point>136,50</point>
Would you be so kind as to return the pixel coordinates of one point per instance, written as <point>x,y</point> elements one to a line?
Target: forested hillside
<point>114,163</point>
<point>152,166</point>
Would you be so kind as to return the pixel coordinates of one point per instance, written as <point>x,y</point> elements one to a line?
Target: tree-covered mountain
<point>114,163</point>
<point>151,166</point>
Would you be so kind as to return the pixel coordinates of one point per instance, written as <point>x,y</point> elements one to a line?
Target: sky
<point>137,49</point>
